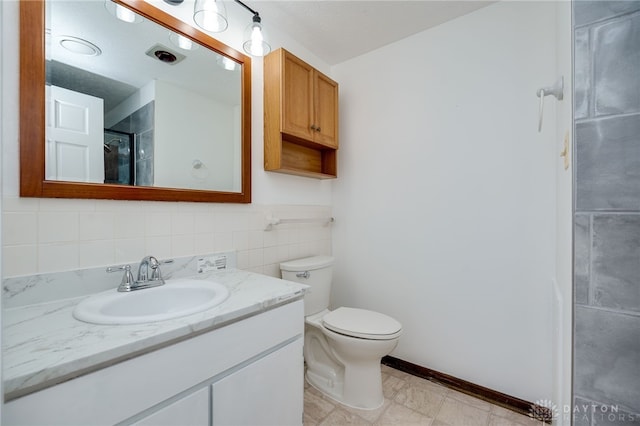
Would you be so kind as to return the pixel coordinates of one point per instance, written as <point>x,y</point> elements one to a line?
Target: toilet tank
<point>316,272</point>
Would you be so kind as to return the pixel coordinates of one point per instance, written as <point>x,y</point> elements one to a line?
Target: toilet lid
<point>362,323</point>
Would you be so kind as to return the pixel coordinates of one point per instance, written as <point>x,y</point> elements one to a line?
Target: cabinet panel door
<point>326,111</point>
<point>192,410</point>
<point>267,392</point>
<point>297,102</point>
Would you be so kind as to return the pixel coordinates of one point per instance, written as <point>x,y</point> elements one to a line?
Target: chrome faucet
<point>149,264</point>
<point>143,270</point>
<point>149,274</point>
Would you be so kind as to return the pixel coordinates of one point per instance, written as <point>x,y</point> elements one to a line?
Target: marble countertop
<point>44,345</point>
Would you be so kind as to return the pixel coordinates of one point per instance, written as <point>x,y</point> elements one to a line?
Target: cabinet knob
<point>317,129</point>
<point>313,127</point>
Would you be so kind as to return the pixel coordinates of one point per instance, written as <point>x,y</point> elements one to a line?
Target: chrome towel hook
<point>556,90</point>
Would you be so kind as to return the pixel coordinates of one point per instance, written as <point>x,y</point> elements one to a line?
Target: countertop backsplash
<point>43,288</point>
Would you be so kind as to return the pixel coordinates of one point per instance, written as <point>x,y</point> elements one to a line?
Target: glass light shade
<point>255,43</point>
<point>210,15</point>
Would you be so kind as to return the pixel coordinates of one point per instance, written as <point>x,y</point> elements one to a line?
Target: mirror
<point>179,132</point>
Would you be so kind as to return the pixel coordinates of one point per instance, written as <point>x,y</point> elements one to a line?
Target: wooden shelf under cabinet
<point>300,118</point>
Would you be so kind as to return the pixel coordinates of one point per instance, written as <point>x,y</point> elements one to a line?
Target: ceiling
<point>338,30</point>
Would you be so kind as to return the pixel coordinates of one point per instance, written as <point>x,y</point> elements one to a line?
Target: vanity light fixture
<point>254,42</point>
<point>211,15</point>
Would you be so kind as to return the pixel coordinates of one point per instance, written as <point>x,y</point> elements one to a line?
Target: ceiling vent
<point>164,54</point>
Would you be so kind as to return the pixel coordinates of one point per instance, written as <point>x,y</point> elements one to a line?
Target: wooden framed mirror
<point>35,148</point>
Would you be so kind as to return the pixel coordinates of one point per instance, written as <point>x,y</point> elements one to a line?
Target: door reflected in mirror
<point>178,102</point>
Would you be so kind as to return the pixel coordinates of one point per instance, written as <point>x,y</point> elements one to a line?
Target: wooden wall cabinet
<point>300,118</point>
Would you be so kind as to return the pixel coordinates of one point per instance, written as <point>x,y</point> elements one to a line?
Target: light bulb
<point>210,21</point>
<point>256,41</point>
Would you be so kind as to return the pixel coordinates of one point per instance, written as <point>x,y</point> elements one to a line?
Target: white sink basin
<point>176,298</point>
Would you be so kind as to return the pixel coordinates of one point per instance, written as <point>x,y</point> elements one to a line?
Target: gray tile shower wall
<point>606,354</point>
<point>615,262</point>
<point>608,163</point>
<point>607,212</point>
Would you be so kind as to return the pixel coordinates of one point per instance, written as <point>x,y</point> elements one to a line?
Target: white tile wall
<point>52,235</point>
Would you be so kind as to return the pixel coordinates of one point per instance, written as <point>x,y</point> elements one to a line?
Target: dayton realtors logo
<point>546,411</point>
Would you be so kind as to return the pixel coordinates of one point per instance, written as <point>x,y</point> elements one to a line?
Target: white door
<point>74,136</point>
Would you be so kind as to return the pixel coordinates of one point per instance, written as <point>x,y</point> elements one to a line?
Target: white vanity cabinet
<point>249,372</point>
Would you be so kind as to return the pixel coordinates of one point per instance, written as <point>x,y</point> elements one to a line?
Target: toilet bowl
<point>343,347</point>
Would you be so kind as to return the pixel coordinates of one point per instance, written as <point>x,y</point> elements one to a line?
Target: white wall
<point>202,130</point>
<point>445,204</point>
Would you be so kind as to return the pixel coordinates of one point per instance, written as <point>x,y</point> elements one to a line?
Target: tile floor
<point>410,400</point>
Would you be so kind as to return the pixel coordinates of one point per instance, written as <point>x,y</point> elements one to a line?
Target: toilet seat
<point>362,323</point>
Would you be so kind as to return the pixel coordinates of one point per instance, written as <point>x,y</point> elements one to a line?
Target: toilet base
<point>335,391</point>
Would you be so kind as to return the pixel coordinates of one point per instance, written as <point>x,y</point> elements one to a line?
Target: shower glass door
<point>119,167</point>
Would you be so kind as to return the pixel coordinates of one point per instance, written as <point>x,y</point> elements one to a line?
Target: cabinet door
<point>326,110</point>
<point>297,98</point>
<point>267,392</point>
<point>192,410</point>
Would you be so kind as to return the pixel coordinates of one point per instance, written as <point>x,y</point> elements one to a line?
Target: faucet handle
<point>127,278</point>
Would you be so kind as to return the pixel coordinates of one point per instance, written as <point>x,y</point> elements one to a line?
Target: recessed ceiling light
<point>182,42</point>
<point>226,63</point>
<point>122,13</point>
<point>79,46</point>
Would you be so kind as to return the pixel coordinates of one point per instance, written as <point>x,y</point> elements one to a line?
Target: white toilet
<point>342,348</point>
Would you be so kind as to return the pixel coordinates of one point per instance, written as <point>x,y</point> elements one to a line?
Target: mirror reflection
<point>129,102</point>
